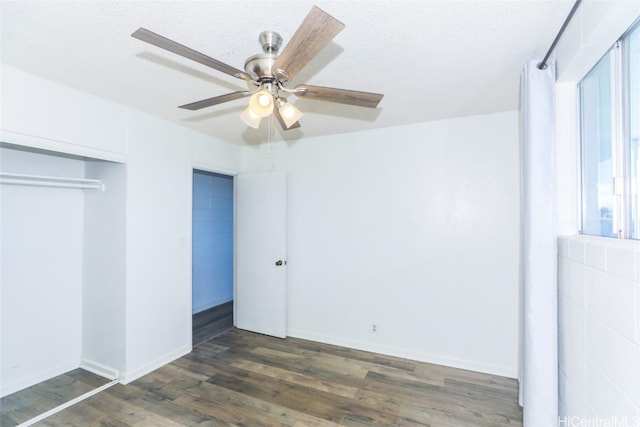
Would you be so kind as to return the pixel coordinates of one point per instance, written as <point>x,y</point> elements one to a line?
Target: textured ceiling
<point>431,59</point>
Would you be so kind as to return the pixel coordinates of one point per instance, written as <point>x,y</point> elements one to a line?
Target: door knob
<point>280,262</point>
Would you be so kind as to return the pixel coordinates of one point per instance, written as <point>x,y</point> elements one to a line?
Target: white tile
<point>576,249</point>
<point>622,260</point>
<point>591,413</point>
<point>564,277</point>
<point>571,358</point>
<point>564,354</point>
<point>604,397</point>
<point>574,399</point>
<point>578,274</point>
<point>565,324</point>
<point>595,254</point>
<point>579,327</point>
<point>563,246</point>
<point>612,299</point>
<point>637,402</point>
<point>577,369</point>
<point>615,356</point>
<point>562,409</point>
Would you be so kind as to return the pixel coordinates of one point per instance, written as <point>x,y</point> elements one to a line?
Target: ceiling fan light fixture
<point>266,73</point>
<point>261,103</point>
<point>289,113</point>
<point>250,118</point>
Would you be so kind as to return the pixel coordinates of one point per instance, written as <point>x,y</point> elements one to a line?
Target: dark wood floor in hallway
<point>211,322</point>
<point>242,378</point>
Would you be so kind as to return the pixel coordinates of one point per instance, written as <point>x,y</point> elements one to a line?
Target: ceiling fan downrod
<point>270,41</point>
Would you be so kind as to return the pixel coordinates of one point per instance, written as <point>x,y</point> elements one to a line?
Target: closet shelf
<point>50,181</point>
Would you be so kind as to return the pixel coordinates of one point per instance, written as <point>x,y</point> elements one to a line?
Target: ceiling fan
<point>267,73</point>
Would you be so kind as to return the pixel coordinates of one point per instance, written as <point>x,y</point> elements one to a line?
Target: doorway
<point>212,254</point>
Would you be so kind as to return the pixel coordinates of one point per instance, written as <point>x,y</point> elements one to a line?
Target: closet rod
<point>51,181</point>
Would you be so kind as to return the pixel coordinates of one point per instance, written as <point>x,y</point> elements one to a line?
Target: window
<point>597,165</point>
<point>633,53</point>
<point>610,134</point>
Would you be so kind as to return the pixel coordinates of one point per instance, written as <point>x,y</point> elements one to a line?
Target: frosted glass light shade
<point>261,103</point>
<point>250,118</point>
<point>289,113</point>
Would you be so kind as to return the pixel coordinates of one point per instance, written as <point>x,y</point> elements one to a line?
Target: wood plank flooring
<point>211,322</point>
<point>242,378</point>
<point>26,404</point>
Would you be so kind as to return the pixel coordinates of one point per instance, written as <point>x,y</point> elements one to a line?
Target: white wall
<point>160,161</point>
<point>45,115</point>
<point>40,113</point>
<point>156,292</point>
<point>412,228</point>
<point>596,299</point>
<point>104,270</point>
<point>599,342</point>
<point>41,273</point>
<point>409,228</point>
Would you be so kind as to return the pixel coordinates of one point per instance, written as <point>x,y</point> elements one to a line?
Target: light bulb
<point>287,112</point>
<point>264,99</point>
<point>290,114</point>
<point>261,103</point>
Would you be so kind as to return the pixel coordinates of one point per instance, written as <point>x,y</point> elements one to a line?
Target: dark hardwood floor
<point>242,378</point>
<point>211,322</point>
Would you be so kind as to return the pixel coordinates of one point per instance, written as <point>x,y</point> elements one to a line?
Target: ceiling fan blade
<point>315,32</point>
<point>164,43</point>
<point>276,113</point>
<point>215,100</point>
<point>341,96</point>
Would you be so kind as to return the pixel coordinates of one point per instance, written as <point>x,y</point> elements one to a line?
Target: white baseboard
<point>8,387</point>
<point>133,374</point>
<point>99,369</point>
<point>407,354</point>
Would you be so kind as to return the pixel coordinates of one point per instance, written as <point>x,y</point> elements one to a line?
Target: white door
<point>261,287</point>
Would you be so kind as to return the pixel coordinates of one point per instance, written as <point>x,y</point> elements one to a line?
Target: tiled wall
<point>599,329</point>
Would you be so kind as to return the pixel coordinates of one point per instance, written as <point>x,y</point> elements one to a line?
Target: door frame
<point>188,242</point>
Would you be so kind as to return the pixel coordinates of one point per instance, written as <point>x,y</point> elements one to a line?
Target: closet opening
<point>62,282</point>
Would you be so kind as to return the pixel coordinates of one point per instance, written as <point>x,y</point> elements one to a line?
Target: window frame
<point>621,162</point>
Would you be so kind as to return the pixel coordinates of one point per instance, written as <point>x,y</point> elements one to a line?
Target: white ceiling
<point>431,59</point>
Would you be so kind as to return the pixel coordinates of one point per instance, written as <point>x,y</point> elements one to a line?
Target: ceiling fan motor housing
<point>259,67</point>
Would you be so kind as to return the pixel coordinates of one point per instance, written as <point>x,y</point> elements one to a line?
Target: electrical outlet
<point>374,328</point>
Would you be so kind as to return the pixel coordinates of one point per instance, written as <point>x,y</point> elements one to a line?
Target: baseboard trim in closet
<point>68,404</point>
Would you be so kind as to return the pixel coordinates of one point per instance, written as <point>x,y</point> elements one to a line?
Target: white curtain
<point>539,364</point>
